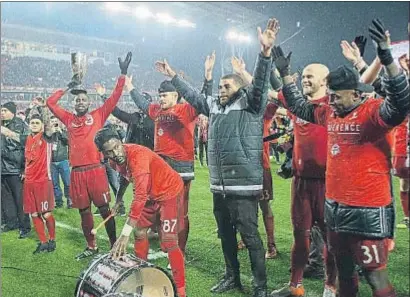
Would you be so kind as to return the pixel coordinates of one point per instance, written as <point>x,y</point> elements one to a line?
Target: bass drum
<point>130,276</point>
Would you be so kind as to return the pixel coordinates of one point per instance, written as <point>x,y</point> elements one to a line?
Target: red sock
<point>386,292</point>
<point>39,227</point>
<point>176,260</point>
<point>141,247</point>
<point>299,258</point>
<point>404,197</point>
<point>87,224</point>
<point>51,227</point>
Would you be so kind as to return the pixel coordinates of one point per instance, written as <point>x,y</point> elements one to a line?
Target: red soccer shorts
<point>170,216</point>
<point>89,183</point>
<point>38,197</point>
<point>401,166</point>
<point>308,201</point>
<point>267,185</point>
<point>371,254</point>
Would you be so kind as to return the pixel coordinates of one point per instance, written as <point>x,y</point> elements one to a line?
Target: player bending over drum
<point>153,180</point>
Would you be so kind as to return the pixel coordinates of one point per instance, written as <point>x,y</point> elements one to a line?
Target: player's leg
<point>183,234</point>
<point>99,194</point>
<point>147,219</point>
<point>141,243</point>
<point>51,228</point>
<point>244,215</point>
<point>301,215</point>
<point>372,256</point>
<point>267,214</point>
<point>339,245</point>
<point>404,198</point>
<point>44,197</point>
<point>318,205</point>
<point>169,242</point>
<point>227,234</point>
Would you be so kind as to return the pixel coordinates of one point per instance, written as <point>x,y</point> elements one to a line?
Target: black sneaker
<point>88,252</point>
<point>52,245</point>
<point>69,204</point>
<point>24,234</point>
<point>314,271</point>
<point>41,248</point>
<point>227,283</point>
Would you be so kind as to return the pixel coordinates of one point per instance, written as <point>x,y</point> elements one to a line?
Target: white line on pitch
<point>152,255</point>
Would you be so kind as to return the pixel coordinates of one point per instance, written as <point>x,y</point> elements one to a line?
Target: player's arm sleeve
<point>191,95</point>
<point>257,92</point>
<point>112,101</point>
<point>52,104</point>
<point>141,190</point>
<point>140,101</point>
<point>297,105</point>
<point>122,115</point>
<point>396,105</point>
<point>207,87</point>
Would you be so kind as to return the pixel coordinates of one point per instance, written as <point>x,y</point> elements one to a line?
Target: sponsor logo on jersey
<point>343,127</point>
<point>335,150</point>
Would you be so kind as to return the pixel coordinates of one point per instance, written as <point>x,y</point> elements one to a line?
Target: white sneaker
<point>329,291</point>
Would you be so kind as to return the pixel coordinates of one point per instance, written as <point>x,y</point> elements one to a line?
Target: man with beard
<point>153,180</point>
<point>235,159</point>
<point>358,209</point>
<point>88,177</point>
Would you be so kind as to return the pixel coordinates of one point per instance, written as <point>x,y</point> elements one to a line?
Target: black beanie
<point>166,86</point>
<point>10,106</point>
<point>104,135</point>
<point>36,116</point>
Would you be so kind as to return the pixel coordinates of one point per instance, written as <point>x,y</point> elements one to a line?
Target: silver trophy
<point>79,68</point>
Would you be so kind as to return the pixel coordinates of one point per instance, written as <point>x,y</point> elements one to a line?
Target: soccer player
<point>174,137</point>
<point>88,178</point>
<point>38,193</point>
<point>358,209</point>
<point>154,180</point>
<point>401,166</point>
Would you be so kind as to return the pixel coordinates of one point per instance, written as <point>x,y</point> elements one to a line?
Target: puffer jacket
<point>12,152</point>
<point>235,133</point>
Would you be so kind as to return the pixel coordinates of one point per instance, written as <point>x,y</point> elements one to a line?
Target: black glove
<point>282,63</point>
<point>361,43</point>
<point>377,33</point>
<point>124,65</point>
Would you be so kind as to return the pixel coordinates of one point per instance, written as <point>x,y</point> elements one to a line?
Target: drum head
<point>147,282</point>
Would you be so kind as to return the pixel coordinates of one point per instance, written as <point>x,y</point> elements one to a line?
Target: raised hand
<point>267,37</point>
<point>282,63</point>
<point>100,89</point>
<point>360,41</point>
<point>124,64</point>
<point>164,68</point>
<point>351,52</point>
<point>238,65</point>
<point>379,34</point>
<point>209,65</point>
<point>405,63</point>
<point>128,83</point>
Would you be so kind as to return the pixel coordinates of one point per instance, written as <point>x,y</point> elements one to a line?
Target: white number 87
<point>366,252</point>
<point>169,225</point>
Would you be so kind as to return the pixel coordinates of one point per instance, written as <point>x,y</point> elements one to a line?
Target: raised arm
<point>293,97</point>
<point>396,105</point>
<point>208,82</point>
<point>137,97</point>
<point>190,94</point>
<point>57,110</point>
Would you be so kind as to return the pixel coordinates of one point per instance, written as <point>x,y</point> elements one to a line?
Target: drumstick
<point>94,231</point>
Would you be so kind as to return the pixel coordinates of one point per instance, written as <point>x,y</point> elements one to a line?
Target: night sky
<point>325,24</point>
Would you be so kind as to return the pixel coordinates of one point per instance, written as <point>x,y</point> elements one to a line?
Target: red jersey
<point>81,130</point>
<point>401,136</point>
<point>358,155</point>
<point>267,123</point>
<point>174,130</point>
<point>153,178</point>
<point>38,159</point>
<point>309,147</point>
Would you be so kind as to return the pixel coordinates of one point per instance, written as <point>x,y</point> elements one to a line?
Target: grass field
<point>204,251</point>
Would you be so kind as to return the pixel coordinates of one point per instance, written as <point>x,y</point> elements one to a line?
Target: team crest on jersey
<point>354,116</point>
<point>160,132</point>
<point>89,120</point>
<point>335,150</point>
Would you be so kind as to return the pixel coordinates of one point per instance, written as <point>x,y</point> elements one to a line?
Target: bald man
<point>308,184</point>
